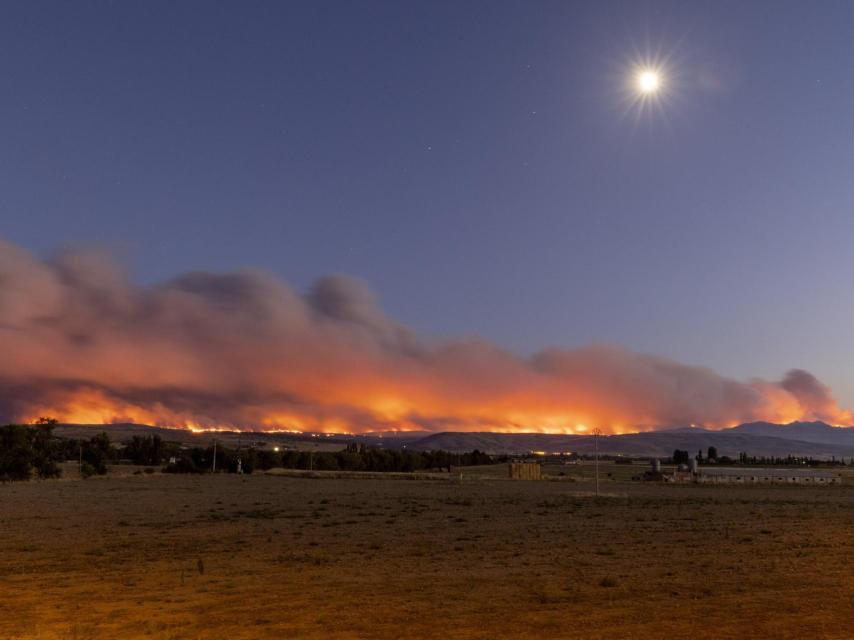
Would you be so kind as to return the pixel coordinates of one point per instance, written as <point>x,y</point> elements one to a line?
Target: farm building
<point>525,470</point>
<point>777,476</point>
<point>740,475</point>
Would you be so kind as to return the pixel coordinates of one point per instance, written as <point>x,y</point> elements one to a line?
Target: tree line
<point>681,456</point>
<point>353,458</point>
<point>361,458</point>
<point>28,451</point>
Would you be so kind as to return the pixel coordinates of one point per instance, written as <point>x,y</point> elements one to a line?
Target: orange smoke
<point>80,342</point>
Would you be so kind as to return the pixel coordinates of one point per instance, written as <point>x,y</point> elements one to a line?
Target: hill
<point>123,432</point>
<point>649,444</point>
<point>814,439</point>
<point>803,431</point>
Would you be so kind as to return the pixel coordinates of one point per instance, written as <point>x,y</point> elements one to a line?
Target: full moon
<point>648,81</point>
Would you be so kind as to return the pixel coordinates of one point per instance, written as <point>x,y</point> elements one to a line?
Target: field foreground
<point>282,557</point>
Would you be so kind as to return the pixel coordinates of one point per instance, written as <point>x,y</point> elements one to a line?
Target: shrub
<point>87,470</point>
<point>148,450</point>
<point>268,460</point>
<point>48,469</point>
<point>182,465</point>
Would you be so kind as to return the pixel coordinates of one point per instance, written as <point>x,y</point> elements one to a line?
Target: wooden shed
<point>525,471</point>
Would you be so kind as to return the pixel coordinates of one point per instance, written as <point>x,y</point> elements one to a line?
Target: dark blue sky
<point>475,162</point>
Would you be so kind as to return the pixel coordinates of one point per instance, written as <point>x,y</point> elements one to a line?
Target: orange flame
<point>82,343</point>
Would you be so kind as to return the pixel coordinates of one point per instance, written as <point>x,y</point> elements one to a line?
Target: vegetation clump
<point>361,458</point>
<point>33,450</point>
<point>25,450</point>
<point>353,458</point>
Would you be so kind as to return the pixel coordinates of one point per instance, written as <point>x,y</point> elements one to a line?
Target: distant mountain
<point>496,442</point>
<point>123,432</point>
<point>815,439</point>
<point>677,430</point>
<point>803,431</point>
<point>728,442</point>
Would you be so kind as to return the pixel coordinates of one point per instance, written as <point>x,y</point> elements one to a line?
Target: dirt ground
<point>158,556</point>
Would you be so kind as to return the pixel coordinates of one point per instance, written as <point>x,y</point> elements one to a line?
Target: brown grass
<point>284,557</point>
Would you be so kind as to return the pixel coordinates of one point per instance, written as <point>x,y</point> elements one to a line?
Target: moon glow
<point>648,81</point>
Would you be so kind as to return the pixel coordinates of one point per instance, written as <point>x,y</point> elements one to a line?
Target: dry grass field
<point>157,556</point>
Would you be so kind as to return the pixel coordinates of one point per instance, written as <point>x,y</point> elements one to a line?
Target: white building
<point>777,476</point>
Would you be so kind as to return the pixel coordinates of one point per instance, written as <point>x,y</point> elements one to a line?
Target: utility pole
<point>213,466</point>
<point>596,433</point>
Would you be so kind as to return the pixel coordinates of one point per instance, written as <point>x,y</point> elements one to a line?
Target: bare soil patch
<point>156,556</point>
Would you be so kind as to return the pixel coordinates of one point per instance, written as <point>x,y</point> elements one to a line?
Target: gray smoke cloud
<point>79,340</point>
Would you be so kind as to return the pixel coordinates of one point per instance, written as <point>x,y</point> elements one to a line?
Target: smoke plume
<point>81,342</point>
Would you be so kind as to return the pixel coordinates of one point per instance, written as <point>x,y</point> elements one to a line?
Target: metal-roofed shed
<point>761,475</point>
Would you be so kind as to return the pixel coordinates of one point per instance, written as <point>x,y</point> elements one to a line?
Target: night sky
<point>480,164</point>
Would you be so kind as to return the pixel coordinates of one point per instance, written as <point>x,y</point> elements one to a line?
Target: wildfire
<point>88,407</point>
<point>243,351</point>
